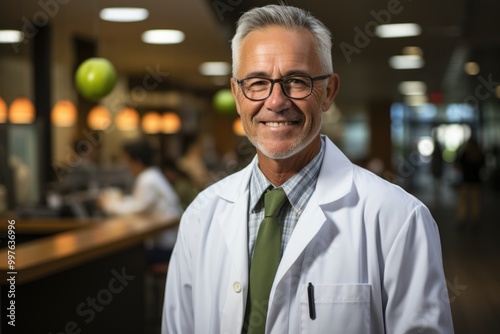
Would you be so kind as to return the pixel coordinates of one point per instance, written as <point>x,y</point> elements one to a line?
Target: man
<point>357,254</point>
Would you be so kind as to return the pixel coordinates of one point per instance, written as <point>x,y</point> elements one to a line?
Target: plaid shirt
<point>298,189</point>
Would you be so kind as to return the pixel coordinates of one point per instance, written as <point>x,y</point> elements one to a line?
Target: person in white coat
<point>358,255</point>
<point>152,195</point>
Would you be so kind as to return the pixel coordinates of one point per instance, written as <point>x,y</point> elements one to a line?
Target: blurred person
<point>184,187</point>
<point>301,240</point>
<point>152,195</point>
<point>470,162</point>
<point>193,164</point>
<point>437,166</point>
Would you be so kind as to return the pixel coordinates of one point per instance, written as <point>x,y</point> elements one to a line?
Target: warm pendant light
<point>151,122</point>
<point>64,114</point>
<point>127,119</point>
<point>3,111</point>
<point>99,118</point>
<point>21,111</point>
<point>238,127</point>
<point>170,123</point>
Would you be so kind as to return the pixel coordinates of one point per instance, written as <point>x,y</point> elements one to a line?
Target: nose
<point>277,101</point>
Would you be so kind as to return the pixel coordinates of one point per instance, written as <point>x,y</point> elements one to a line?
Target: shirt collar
<point>302,182</point>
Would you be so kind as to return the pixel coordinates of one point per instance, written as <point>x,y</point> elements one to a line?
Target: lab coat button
<point>237,287</point>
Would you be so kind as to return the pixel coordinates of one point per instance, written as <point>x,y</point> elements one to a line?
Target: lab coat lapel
<point>307,227</point>
<point>233,221</point>
<point>234,227</point>
<point>334,182</point>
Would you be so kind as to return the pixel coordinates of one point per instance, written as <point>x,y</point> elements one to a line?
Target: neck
<point>278,171</point>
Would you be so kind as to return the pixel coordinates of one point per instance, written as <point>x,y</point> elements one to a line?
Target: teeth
<point>278,123</point>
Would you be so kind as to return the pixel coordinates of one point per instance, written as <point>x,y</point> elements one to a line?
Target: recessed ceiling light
<point>162,36</point>
<point>406,62</point>
<point>216,68</point>
<point>398,30</point>
<point>124,14</point>
<point>412,88</point>
<point>11,36</point>
<point>472,68</point>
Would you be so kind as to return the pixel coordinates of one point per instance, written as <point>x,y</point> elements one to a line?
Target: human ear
<point>332,88</point>
<point>234,90</point>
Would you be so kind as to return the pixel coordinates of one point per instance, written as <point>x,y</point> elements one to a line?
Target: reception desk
<point>88,277</point>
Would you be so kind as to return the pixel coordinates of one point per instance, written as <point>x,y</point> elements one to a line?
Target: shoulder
<point>389,213</point>
<point>380,193</point>
<point>340,179</point>
<point>150,175</point>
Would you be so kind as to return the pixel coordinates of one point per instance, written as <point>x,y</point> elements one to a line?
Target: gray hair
<point>283,16</point>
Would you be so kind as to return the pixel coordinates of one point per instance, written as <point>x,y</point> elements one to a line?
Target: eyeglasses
<point>293,86</point>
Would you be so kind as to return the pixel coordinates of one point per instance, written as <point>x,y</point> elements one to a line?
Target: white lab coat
<point>371,250</point>
<point>153,196</point>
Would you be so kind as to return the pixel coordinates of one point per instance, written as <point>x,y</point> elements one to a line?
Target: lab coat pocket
<point>341,309</point>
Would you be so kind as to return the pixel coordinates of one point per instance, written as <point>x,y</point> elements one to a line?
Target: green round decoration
<point>224,102</point>
<point>95,78</point>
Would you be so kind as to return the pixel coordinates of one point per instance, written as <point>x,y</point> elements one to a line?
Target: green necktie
<point>266,258</point>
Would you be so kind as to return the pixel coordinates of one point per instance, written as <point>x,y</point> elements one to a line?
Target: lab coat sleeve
<point>178,315</point>
<point>416,295</point>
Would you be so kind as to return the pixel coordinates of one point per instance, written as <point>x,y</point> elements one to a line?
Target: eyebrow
<point>260,74</point>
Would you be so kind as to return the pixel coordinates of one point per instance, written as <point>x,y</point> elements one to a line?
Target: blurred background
<point>410,98</point>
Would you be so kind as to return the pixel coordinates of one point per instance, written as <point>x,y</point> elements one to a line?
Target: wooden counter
<point>42,257</point>
<point>46,225</point>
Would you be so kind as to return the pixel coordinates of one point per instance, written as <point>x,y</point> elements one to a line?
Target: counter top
<point>46,225</point>
<point>51,254</point>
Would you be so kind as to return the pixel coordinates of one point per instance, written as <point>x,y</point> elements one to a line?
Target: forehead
<point>276,50</point>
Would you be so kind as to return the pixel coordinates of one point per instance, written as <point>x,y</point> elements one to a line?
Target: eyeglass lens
<point>260,88</point>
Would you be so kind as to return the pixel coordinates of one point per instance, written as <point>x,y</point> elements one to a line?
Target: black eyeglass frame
<point>281,82</point>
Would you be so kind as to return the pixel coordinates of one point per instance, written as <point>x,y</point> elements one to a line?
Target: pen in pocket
<point>310,298</point>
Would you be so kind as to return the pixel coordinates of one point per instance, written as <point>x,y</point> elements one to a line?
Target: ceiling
<point>453,31</point>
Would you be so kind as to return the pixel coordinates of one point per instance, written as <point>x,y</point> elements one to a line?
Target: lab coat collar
<point>335,178</point>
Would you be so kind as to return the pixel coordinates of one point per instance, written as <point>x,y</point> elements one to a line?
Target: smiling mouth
<point>278,124</point>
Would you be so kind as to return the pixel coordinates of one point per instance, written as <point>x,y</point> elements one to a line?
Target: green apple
<point>95,78</point>
<point>224,102</point>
